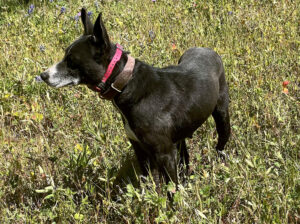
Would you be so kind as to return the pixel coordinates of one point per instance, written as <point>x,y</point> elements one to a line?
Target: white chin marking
<point>66,82</point>
<point>61,84</point>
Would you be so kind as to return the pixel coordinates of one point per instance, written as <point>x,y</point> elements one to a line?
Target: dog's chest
<point>130,134</point>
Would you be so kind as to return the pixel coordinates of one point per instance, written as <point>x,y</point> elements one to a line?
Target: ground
<point>61,150</point>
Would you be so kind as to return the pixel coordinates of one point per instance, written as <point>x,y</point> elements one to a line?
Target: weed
<point>63,151</point>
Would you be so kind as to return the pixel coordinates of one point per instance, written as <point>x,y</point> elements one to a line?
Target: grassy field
<point>62,150</point>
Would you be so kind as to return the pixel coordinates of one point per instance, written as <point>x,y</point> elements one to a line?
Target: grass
<point>62,150</point>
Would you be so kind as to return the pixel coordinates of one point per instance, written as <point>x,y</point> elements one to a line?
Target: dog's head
<point>85,59</point>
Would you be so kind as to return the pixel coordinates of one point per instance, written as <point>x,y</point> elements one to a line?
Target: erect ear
<point>88,26</point>
<point>100,33</point>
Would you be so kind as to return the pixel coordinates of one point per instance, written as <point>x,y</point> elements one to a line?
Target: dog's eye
<point>70,63</point>
<point>97,57</point>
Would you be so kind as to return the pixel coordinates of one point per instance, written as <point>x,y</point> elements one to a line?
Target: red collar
<point>121,80</point>
<point>113,62</point>
<point>110,68</point>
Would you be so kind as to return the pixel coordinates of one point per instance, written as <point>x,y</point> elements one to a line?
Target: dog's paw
<point>223,156</point>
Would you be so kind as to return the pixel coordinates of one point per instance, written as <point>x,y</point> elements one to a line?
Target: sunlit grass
<point>61,151</point>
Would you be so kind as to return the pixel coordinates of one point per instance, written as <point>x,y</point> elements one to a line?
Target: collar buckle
<point>115,88</point>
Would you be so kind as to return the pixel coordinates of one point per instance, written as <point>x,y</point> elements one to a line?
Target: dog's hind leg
<point>221,117</point>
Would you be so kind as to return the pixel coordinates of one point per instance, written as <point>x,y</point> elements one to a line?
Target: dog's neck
<point>139,68</point>
<point>139,83</point>
<point>142,79</point>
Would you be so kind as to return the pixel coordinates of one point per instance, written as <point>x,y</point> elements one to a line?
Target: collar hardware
<point>121,80</point>
<point>112,86</point>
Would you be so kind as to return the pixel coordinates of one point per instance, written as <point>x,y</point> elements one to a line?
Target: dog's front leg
<point>141,155</point>
<point>147,161</point>
<point>166,161</point>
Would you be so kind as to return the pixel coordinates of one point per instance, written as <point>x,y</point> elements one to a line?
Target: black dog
<point>160,106</point>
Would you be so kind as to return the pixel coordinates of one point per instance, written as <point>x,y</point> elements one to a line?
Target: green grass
<point>61,150</point>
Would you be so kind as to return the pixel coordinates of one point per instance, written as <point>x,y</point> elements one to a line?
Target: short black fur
<point>160,107</point>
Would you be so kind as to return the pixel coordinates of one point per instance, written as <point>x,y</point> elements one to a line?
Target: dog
<point>160,107</point>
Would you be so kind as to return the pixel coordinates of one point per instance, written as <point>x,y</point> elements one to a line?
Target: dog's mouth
<point>93,87</point>
<point>58,84</point>
<point>38,79</point>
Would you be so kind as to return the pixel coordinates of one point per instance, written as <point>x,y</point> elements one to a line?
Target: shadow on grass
<point>75,180</point>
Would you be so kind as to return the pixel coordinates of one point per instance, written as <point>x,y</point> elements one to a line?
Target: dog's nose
<point>38,79</point>
<point>44,75</point>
